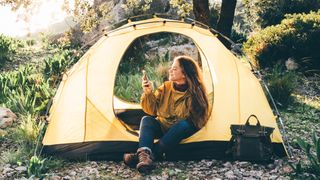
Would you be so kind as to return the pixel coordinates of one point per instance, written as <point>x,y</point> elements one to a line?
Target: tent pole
<point>286,142</point>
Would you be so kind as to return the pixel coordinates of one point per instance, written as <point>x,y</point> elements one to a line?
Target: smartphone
<point>145,77</point>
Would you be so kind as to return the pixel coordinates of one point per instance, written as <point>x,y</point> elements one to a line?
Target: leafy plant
<point>12,156</point>
<point>133,91</point>
<point>8,47</point>
<point>36,166</point>
<point>57,64</point>
<point>313,153</point>
<point>281,85</point>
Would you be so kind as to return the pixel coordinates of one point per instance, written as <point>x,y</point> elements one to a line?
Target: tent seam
<point>86,104</point>
<point>238,77</point>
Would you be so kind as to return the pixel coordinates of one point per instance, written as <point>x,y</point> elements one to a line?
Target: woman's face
<point>175,73</point>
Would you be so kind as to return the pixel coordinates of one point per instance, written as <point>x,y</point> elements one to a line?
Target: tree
<point>201,11</point>
<point>225,21</point>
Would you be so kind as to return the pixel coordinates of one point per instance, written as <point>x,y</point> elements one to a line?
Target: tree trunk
<point>226,17</point>
<point>201,11</point>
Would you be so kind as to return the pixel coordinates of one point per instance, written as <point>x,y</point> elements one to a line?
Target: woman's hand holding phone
<point>146,85</point>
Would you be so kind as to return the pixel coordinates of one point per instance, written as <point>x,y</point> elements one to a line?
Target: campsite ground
<point>299,119</point>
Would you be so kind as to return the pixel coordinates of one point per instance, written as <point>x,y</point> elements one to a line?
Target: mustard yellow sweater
<point>168,104</point>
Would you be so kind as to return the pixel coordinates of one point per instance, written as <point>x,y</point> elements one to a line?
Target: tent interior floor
<point>130,117</point>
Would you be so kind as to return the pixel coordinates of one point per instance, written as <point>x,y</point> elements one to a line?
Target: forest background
<point>280,37</point>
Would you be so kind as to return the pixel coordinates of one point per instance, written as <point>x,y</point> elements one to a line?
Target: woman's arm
<point>150,101</point>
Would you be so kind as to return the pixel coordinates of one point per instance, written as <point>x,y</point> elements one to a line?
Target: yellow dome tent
<point>83,121</point>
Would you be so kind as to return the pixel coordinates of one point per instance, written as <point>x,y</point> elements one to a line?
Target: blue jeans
<point>150,129</point>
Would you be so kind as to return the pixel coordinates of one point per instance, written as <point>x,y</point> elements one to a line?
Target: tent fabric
<point>84,109</point>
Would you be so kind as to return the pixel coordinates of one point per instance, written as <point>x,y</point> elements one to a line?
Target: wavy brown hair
<point>200,105</point>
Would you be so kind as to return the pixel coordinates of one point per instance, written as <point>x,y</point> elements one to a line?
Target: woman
<point>181,109</point>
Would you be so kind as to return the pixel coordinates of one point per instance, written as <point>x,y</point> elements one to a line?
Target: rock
<point>6,117</point>
<point>178,170</point>
<point>54,177</point>
<point>227,164</point>
<point>66,178</point>
<point>273,177</point>
<point>244,164</point>
<point>230,175</point>
<point>291,64</point>
<point>72,173</point>
<point>7,170</point>
<point>287,169</point>
<point>21,168</point>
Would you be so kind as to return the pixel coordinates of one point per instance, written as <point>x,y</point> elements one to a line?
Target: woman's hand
<point>146,85</point>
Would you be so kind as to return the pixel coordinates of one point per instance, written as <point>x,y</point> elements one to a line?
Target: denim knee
<point>148,121</point>
<point>185,125</point>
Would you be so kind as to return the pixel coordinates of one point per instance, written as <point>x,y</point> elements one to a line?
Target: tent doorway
<point>154,54</point>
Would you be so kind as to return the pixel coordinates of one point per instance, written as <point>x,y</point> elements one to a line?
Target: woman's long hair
<point>199,109</point>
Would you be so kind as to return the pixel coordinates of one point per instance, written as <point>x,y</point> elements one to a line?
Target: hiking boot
<point>130,159</point>
<point>146,158</point>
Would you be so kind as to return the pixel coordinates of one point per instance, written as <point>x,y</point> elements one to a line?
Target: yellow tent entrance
<point>82,121</point>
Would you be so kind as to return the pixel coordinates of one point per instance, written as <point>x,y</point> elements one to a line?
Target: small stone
<point>55,177</point>
<point>230,175</point>
<point>171,173</point>
<point>72,173</point>
<point>66,178</point>
<point>273,177</point>
<point>227,164</point>
<point>270,166</point>
<point>94,163</point>
<point>287,169</point>
<point>244,164</point>
<point>10,174</point>
<point>21,168</point>
<point>7,170</point>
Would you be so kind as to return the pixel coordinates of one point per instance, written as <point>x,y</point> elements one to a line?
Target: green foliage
<point>8,47</point>
<point>26,133</point>
<point>23,92</point>
<point>24,137</point>
<point>136,7</point>
<point>296,37</point>
<point>281,85</point>
<point>36,166</point>
<point>88,13</point>
<point>264,13</point>
<point>12,156</point>
<point>183,7</point>
<point>133,91</point>
<point>56,64</point>
<point>313,153</point>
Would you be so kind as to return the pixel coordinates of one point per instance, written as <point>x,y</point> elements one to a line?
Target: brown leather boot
<point>130,159</point>
<point>145,163</point>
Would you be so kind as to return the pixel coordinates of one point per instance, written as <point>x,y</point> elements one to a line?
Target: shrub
<point>281,85</point>
<point>8,47</point>
<point>23,92</point>
<point>297,37</point>
<point>264,13</point>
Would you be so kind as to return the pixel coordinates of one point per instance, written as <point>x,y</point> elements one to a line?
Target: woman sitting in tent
<point>181,109</point>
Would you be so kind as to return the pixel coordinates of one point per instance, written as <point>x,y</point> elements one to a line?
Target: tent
<point>88,121</point>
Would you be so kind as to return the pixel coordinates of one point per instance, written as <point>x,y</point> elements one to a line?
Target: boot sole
<point>132,165</point>
<point>146,168</point>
